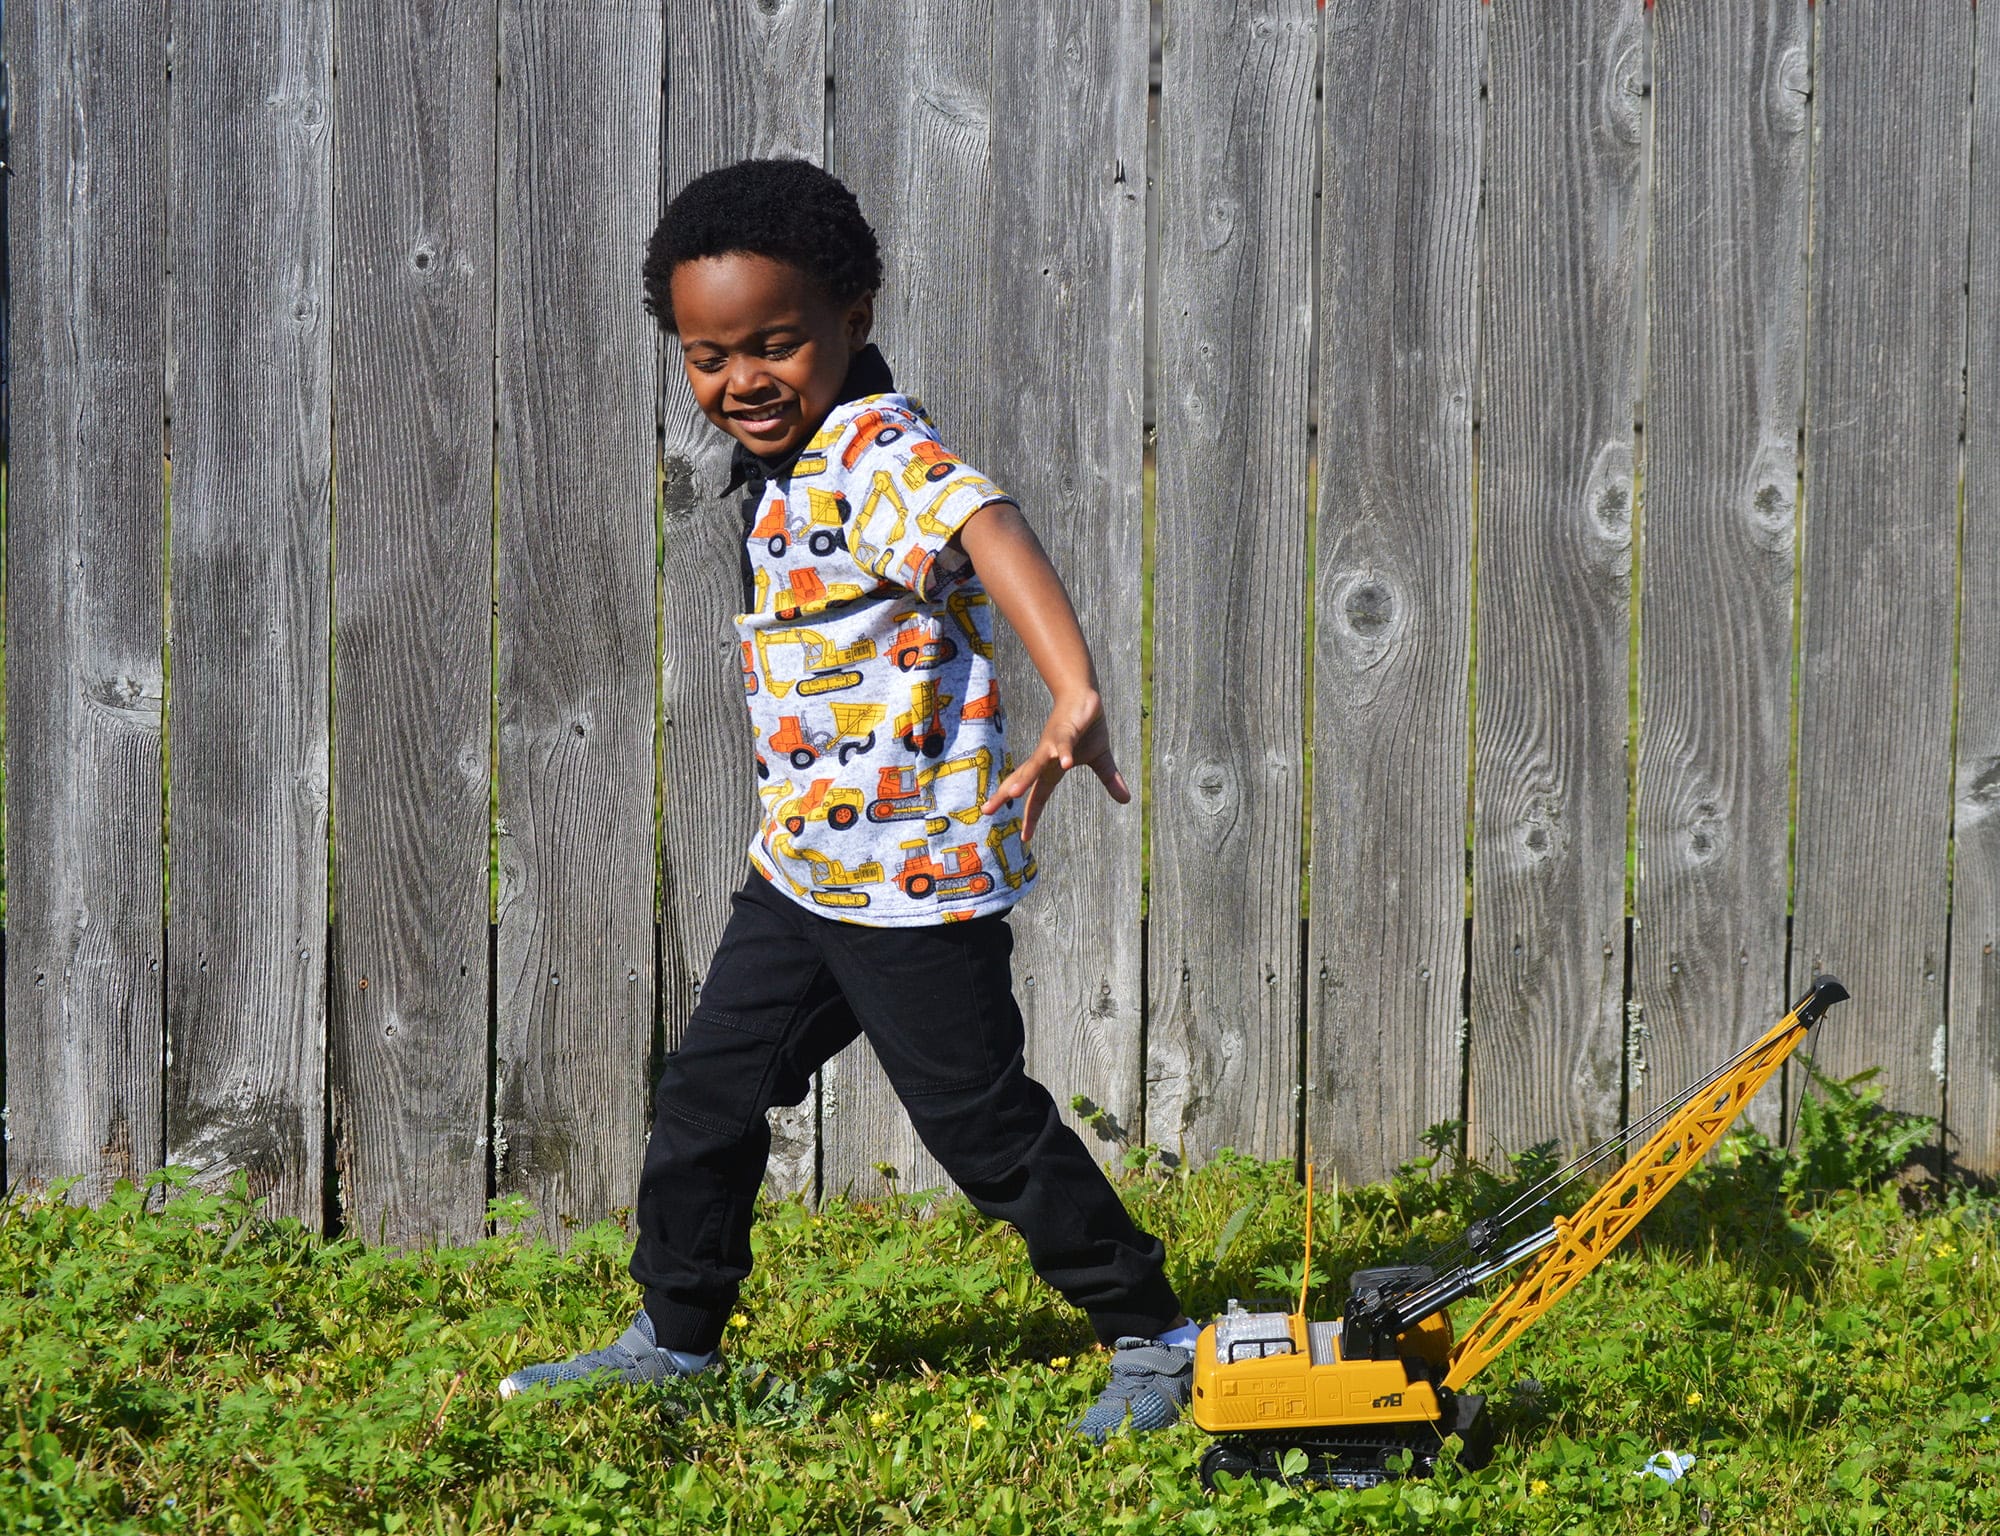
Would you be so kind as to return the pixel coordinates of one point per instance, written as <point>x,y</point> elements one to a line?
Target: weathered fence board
<point>412,613</point>
<point>85,569</point>
<point>1885,350</point>
<point>1028,341</point>
<point>1503,282</point>
<point>1731,86</point>
<point>912,135</point>
<point>1565,153</point>
<point>1398,371</point>
<point>579,135</point>
<point>250,224</point>
<point>743,79</point>
<point>1972,1087</point>
<point>1065,297</point>
<point>1237,121</point>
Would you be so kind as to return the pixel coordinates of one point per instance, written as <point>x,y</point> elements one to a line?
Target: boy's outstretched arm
<point>1017,575</point>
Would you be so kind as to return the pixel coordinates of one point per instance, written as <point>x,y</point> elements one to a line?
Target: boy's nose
<point>749,379</point>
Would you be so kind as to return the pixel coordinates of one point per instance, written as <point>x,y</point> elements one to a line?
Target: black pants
<point>785,991</point>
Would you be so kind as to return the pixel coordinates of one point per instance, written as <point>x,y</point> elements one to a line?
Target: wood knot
<point>1540,831</point>
<point>129,702</point>
<point>1980,798</point>
<point>1608,503</point>
<point>1791,91</point>
<point>1706,832</point>
<point>1625,95</point>
<point>1369,616</point>
<point>1370,609</point>
<point>677,487</point>
<point>1771,509</point>
<point>1219,222</point>
<point>1211,786</point>
<point>961,109</point>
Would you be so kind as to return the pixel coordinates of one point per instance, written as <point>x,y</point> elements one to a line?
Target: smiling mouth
<point>763,416</point>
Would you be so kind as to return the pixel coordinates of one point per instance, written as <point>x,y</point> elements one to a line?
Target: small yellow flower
<point>877,1419</point>
<point>975,1420</point>
<point>1058,1362</point>
<point>1945,1250</point>
<point>1694,1399</point>
<point>1537,1488</point>
<point>738,1320</point>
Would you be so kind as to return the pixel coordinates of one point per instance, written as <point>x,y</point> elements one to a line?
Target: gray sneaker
<point>636,1359</point>
<point>1149,1384</point>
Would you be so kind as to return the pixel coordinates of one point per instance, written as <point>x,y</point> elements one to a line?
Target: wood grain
<point>85,595</point>
<point>743,79</point>
<point>1565,151</point>
<point>1404,151</point>
<point>579,134</point>
<point>1066,333</point>
<point>1884,399</point>
<point>1009,197</point>
<point>913,137</point>
<point>250,223</point>
<point>1727,318</point>
<point>1237,118</point>
<point>413,574</point>
<point>1972,1089</point>
<point>999,150</point>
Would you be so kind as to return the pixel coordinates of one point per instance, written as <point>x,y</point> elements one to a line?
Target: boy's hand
<point>1030,596</point>
<point>1075,733</point>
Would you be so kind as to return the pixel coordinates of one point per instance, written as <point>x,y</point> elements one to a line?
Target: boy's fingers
<point>1038,799</point>
<point>1055,754</point>
<point>1011,788</point>
<point>1039,775</point>
<point>1106,769</point>
<point>1031,815</point>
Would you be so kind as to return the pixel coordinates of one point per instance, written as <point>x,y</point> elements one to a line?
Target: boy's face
<point>763,346</point>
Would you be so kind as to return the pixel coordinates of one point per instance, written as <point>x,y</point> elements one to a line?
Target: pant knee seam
<point>695,1117</point>
<point>956,1085</point>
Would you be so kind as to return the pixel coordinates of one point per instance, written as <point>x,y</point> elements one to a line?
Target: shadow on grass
<point>1740,1216</point>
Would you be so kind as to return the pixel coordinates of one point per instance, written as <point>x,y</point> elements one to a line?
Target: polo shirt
<point>867,657</point>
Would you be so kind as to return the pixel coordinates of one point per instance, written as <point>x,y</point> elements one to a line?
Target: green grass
<point>1829,1358</point>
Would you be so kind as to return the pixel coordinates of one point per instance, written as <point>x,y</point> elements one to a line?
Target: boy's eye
<point>780,352</point>
<point>705,364</point>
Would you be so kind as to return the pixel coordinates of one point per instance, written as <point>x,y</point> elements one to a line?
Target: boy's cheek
<point>710,405</point>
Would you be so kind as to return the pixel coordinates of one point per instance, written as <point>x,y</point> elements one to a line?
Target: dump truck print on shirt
<point>867,664</point>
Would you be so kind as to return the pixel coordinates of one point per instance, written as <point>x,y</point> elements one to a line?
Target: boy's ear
<point>860,321</point>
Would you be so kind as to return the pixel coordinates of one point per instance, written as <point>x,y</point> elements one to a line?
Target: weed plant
<point>1816,1332</point>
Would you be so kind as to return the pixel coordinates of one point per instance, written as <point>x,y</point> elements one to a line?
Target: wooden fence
<point>1634,659</point>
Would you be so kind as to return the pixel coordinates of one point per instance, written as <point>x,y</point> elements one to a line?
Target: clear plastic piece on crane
<point>1241,1335</point>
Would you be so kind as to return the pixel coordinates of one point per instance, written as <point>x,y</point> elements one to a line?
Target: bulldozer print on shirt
<point>867,663</point>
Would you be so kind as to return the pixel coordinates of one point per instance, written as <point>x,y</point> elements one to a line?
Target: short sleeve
<point>908,496</point>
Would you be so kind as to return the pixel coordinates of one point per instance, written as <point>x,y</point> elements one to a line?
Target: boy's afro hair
<point>788,210</point>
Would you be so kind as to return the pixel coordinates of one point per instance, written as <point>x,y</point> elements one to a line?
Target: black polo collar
<point>868,374</point>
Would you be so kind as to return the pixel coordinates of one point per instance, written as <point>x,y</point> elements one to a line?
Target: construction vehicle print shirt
<point>868,668</point>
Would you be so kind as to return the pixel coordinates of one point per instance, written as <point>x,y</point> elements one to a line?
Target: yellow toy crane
<point>1387,1377</point>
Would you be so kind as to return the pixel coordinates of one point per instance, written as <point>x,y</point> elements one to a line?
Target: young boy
<point>888,853</point>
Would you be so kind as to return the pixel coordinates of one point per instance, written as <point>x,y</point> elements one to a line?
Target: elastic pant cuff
<point>694,1330</point>
<point>1146,1314</point>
